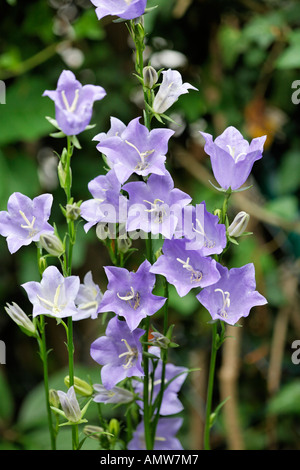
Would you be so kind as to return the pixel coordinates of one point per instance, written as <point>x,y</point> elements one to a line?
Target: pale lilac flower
<point>88,299</point>
<point>185,269</point>
<point>169,91</point>
<point>70,405</point>
<point>233,296</point>
<point>119,352</point>
<point>55,295</point>
<point>73,102</point>
<point>107,205</point>
<point>126,9</point>
<point>136,150</point>
<point>155,206</point>
<point>129,294</point>
<point>202,230</point>
<point>25,220</point>
<point>115,395</point>
<point>165,437</point>
<point>232,157</point>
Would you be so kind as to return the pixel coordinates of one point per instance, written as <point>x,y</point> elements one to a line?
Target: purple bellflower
<point>55,295</point>
<point>126,9</point>
<point>155,206</point>
<point>129,294</point>
<point>119,352</point>
<point>165,437</point>
<point>232,157</point>
<point>25,220</point>
<point>183,268</point>
<point>136,150</point>
<point>107,205</point>
<point>116,129</point>
<point>73,102</point>
<point>202,230</point>
<point>88,299</point>
<point>169,90</point>
<point>233,296</point>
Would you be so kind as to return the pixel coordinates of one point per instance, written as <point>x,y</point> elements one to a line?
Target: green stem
<point>210,387</point>
<point>44,354</point>
<point>147,417</point>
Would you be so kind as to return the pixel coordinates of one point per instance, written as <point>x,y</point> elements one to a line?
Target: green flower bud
<point>54,398</point>
<point>114,427</point>
<point>73,210</point>
<point>80,386</point>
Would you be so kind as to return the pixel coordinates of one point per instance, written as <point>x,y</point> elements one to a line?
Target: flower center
<point>196,276</point>
<point>226,303</point>
<point>142,165</point>
<point>53,306</point>
<point>232,153</point>
<point>71,108</point>
<point>132,298</point>
<point>131,355</point>
<point>207,242</point>
<point>158,211</point>
<point>29,225</point>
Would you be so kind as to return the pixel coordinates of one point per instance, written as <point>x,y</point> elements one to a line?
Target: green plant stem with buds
<point>137,32</point>
<point>68,256</point>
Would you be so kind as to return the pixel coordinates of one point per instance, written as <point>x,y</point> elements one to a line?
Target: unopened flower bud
<point>114,427</point>
<point>160,340</point>
<point>20,318</point>
<point>70,405</point>
<point>150,76</point>
<point>124,244</point>
<point>94,432</point>
<point>54,398</point>
<point>52,244</point>
<point>239,224</point>
<point>80,386</point>
<point>73,211</point>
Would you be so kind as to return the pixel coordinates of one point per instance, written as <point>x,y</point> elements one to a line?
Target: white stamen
<point>159,212</point>
<point>53,306</point>
<point>143,155</point>
<point>132,295</point>
<point>232,153</point>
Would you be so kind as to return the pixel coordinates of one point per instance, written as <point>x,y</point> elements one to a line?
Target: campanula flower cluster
<point>136,195</point>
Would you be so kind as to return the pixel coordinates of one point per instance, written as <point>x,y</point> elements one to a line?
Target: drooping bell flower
<point>233,296</point>
<point>73,102</point>
<point>232,157</point>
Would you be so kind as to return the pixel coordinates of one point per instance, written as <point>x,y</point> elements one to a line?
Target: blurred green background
<point>244,57</point>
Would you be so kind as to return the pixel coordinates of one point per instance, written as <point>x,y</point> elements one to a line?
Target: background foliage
<point>243,55</point>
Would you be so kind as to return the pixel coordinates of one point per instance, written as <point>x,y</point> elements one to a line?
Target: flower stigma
<point>196,276</point>
<point>131,354</point>
<point>207,242</point>
<point>157,210</point>
<point>131,296</point>
<point>226,303</point>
